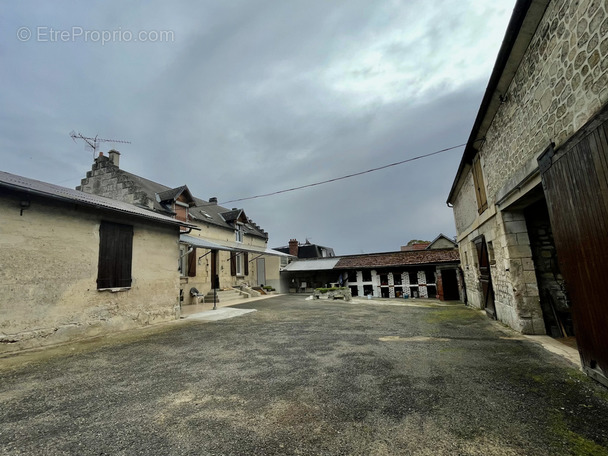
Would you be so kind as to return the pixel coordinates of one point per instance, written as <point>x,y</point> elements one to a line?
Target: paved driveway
<point>305,377</point>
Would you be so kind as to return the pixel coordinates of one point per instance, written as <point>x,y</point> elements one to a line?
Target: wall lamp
<point>24,204</point>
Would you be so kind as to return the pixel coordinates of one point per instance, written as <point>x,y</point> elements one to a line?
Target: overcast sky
<point>241,98</point>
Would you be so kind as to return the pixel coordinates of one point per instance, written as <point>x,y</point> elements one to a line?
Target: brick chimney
<point>293,247</point>
<point>114,157</point>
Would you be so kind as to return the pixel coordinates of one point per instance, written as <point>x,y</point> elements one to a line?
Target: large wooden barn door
<point>485,277</point>
<point>575,181</point>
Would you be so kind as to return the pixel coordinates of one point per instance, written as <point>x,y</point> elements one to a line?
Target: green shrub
<point>325,290</point>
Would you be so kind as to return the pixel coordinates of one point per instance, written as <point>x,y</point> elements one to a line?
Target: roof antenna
<point>93,143</point>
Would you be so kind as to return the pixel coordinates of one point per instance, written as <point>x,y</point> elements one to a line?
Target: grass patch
<point>458,315</point>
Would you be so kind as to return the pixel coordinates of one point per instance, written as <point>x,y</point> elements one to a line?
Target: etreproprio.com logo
<point>45,34</point>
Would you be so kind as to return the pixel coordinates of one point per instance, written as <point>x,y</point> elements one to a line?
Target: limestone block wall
<point>48,289</point>
<point>105,179</point>
<point>202,280</point>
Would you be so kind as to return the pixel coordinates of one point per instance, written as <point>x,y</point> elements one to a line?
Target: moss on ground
<point>577,444</point>
<point>456,315</point>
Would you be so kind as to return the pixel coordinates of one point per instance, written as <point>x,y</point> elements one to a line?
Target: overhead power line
<point>347,176</point>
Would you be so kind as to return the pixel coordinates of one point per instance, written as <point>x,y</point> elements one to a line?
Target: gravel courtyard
<point>305,377</point>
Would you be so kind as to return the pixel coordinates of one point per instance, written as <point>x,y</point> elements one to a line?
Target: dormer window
<point>238,233</point>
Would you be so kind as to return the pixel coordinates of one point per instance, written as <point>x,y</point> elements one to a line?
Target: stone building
<point>76,265</point>
<point>224,250</point>
<point>429,273</point>
<point>546,96</point>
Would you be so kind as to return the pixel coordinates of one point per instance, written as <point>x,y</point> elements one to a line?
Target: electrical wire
<point>345,177</point>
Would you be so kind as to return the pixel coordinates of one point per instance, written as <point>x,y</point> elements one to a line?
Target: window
<point>115,255</point>
<point>480,189</point>
<point>183,260</point>
<point>239,264</point>
<point>239,233</point>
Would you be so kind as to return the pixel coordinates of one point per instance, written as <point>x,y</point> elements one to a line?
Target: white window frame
<point>240,269</point>
<point>238,233</point>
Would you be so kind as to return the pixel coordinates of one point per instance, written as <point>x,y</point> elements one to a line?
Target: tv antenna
<point>93,143</point>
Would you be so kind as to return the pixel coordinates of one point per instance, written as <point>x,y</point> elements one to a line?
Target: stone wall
<point>48,280</point>
<point>551,285</point>
<point>560,84</point>
<point>105,179</point>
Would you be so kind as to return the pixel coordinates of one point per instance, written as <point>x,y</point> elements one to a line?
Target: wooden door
<point>485,278</point>
<point>215,282</point>
<point>575,182</point>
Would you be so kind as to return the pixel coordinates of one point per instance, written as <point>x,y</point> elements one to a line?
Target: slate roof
<point>65,194</point>
<point>395,259</point>
<point>231,216</point>
<point>173,194</point>
<point>197,211</point>
<point>309,250</point>
<point>441,236</point>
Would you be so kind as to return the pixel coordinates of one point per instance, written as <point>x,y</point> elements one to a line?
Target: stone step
<point>224,296</point>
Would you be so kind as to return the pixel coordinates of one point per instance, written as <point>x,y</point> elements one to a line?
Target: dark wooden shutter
<point>115,255</point>
<point>233,264</point>
<point>246,263</point>
<point>192,260</point>
<point>480,188</point>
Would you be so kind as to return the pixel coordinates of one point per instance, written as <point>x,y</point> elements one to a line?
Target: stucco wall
<point>560,84</point>
<point>48,289</point>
